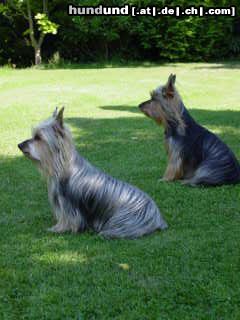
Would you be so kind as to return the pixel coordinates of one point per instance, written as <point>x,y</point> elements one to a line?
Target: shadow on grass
<point>133,109</point>
<point>132,147</point>
<point>202,116</point>
<point>22,192</point>
<point>221,118</point>
<point>129,148</point>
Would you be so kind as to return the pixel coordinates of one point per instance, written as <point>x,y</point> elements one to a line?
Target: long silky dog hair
<point>195,155</point>
<point>82,196</point>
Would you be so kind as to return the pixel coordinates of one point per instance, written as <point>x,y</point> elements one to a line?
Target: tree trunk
<point>106,51</point>
<point>38,57</point>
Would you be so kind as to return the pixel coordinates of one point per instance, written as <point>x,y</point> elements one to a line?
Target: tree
<point>39,25</point>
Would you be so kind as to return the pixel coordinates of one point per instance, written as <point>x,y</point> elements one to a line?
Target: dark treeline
<point>91,39</point>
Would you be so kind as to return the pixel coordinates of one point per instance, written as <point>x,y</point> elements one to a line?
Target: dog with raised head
<point>195,155</point>
<point>82,196</point>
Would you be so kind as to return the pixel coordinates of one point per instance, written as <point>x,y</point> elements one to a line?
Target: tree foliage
<point>40,21</point>
<point>45,25</point>
<point>85,38</point>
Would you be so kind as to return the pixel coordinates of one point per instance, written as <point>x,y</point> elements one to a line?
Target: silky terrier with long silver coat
<point>82,196</point>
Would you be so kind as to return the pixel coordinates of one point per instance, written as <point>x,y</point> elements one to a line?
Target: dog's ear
<point>59,116</point>
<point>170,86</point>
<point>55,112</point>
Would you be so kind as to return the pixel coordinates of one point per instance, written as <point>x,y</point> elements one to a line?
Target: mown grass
<point>190,271</point>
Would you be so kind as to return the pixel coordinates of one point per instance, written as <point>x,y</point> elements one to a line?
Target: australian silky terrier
<point>195,155</point>
<point>82,196</point>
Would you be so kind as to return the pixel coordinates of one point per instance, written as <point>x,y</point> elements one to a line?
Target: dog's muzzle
<point>144,107</point>
<point>21,146</point>
<point>24,147</point>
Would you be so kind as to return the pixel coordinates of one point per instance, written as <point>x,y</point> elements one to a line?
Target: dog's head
<point>164,105</point>
<point>50,143</point>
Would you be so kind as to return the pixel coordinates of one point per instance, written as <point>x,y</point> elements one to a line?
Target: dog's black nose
<point>21,145</point>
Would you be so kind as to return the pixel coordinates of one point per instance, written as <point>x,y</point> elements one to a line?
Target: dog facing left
<point>82,196</point>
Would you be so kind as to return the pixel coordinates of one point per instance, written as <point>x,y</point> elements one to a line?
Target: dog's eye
<point>164,93</point>
<point>37,137</point>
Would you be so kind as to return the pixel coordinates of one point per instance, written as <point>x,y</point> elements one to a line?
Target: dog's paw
<point>56,229</point>
<point>53,229</point>
<point>188,182</point>
<point>164,179</point>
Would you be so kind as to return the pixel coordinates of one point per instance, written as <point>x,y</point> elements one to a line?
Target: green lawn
<point>190,271</point>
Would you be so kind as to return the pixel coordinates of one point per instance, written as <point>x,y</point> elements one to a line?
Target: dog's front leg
<point>72,221</point>
<point>58,228</point>
<point>174,170</point>
<point>61,226</point>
